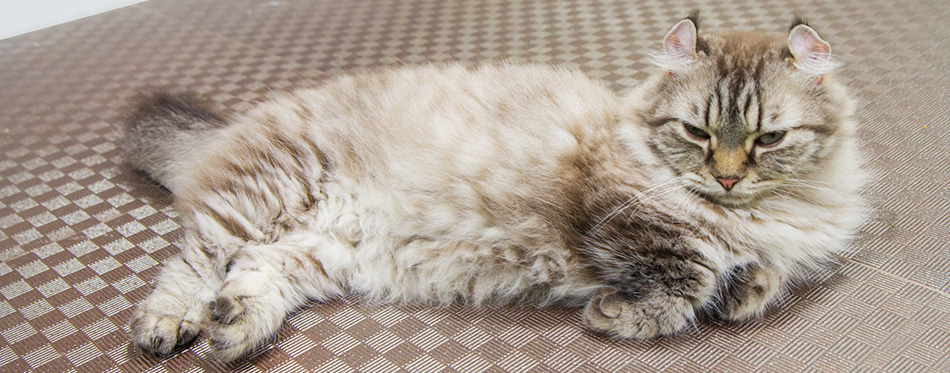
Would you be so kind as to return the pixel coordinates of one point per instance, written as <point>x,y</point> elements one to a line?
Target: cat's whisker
<point>645,197</point>
<point>654,196</point>
<point>813,182</point>
<point>817,182</point>
<point>628,203</point>
<point>682,201</point>
<point>807,185</point>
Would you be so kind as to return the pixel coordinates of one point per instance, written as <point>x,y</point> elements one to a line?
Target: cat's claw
<point>612,314</point>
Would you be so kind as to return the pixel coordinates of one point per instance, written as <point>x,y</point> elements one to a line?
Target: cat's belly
<point>384,254</point>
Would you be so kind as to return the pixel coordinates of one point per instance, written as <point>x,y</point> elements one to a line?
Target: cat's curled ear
<point>679,45</point>
<point>811,54</point>
<point>680,42</point>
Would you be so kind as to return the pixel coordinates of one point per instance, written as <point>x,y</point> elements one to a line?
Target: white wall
<point>22,16</point>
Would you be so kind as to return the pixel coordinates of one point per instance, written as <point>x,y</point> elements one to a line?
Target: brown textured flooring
<point>81,235</point>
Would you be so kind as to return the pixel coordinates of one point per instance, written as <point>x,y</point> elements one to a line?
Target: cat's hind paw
<point>613,314</point>
<point>161,334</point>
<point>243,324</point>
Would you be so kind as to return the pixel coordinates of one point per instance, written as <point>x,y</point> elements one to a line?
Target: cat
<point>707,188</point>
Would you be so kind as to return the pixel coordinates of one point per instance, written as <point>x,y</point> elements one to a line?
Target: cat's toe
<point>187,332</point>
<point>609,307</point>
<point>742,310</point>
<point>748,296</point>
<point>228,348</point>
<point>608,314</point>
<point>240,339</point>
<point>617,316</point>
<point>160,335</point>
<point>233,335</point>
<point>242,324</point>
<point>227,309</point>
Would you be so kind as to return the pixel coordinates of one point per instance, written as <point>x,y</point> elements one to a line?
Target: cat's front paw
<point>613,314</point>
<point>160,334</point>
<point>750,291</point>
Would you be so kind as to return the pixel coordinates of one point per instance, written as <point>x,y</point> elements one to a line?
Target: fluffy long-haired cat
<point>709,187</point>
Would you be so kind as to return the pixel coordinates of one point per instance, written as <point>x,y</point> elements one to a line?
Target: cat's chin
<point>728,200</point>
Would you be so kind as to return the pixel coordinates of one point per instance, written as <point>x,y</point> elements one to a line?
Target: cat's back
<point>424,127</point>
<point>467,116</point>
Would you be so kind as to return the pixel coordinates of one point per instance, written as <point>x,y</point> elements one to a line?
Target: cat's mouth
<point>727,199</point>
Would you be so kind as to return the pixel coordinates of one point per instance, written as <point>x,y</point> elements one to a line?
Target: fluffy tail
<point>163,130</point>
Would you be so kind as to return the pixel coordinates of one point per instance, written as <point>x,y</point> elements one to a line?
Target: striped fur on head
<point>747,111</point>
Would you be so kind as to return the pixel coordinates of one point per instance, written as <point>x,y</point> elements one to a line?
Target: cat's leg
<point>750,290</point>
<point>263,285</point>
<point>172,316</point>
<point>651,295</point>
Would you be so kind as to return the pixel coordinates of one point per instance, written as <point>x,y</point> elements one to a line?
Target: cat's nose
<point>727,182</point>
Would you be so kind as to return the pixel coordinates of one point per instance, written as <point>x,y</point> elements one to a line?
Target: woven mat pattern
<point>82,235</point>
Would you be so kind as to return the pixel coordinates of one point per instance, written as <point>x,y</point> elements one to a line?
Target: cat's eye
<point>770,138</point>
<point>696,132</point>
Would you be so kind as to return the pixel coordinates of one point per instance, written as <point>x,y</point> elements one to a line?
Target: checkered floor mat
<point>82,235</point>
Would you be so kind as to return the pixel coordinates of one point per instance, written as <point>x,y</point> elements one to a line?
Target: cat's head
<point>737,115</point>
